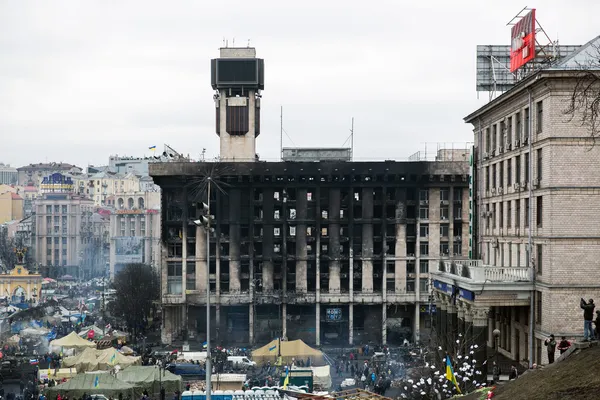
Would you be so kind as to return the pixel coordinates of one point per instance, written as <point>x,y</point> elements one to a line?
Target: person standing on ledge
<point>551,345</point>
<point>588,316</point>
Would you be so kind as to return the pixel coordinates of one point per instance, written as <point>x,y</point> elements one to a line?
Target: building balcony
<point>496,284</point>
<point>475,271</point>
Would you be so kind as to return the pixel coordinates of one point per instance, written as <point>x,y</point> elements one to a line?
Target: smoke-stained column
<point>367,240</point>
<point>267,269</point>
<point>417,324</point>
<point>351,324</point>
<point>334,241</point>
<point>201,263</point>
<point>234,239</point>
<point>284,320</point>
<point>301,251</point>
<point>251,322</point>
<point>400,263</point>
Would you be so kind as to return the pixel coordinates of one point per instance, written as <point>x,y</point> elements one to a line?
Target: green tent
<point>150,378</point>
<point>100,383</point>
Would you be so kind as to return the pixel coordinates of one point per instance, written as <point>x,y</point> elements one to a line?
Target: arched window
<point>121,203</point>
<point>130,203</point>
<point>141,203</point>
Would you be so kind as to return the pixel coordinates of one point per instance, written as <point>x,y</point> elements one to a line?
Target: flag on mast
<point>450,373</point>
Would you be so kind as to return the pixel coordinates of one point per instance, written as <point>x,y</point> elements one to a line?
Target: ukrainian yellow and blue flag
<point>286,381</point>
<point>96,381</point>
<point>152,148</point>
<point>450,373</point>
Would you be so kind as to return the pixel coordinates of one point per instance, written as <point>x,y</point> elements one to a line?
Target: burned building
<point>323,251</point>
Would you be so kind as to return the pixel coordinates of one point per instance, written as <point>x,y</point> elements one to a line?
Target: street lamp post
<point>205,221</point>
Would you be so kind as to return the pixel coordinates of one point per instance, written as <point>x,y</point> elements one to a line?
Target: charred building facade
<point>314,247</point>
<point>329,252</point>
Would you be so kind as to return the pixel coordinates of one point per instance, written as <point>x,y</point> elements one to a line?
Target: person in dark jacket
<point>588,316</point>
<point>514,374</point>
<point>563,345</point>
<point>551,345</point>
<point>597,322</point>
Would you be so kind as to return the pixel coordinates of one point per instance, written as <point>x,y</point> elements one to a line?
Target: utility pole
<point>208,352</point>
<point>205,221</point>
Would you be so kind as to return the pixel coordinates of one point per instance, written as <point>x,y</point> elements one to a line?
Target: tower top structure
<point>237,76</point>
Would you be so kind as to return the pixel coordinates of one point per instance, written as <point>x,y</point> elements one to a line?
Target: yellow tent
<point>100,360</point>
<point>110,357</point>
<point>289,350</point>
<point>84,361</point>
<point>72,341</point>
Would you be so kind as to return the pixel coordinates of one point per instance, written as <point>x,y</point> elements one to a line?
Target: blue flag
<point>96,381</point>
<point>272,348</point>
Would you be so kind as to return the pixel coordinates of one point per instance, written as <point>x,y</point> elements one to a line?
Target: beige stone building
<point>135,230</point>
<point>536,225</point>
<point>11,204</point>
<point>65,229</point>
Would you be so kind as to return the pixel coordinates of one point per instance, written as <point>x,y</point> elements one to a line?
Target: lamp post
<point>496,370</point>
<point>205,221</point>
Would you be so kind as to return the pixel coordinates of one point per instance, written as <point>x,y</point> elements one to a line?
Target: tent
<point>149,378</point>
<point>84,361</point>
<point>322,377</point>
<point>110,357</point>
<point>98,333</point>
<point>289,349</point>
<point>105,384</point>
<point>72,341</point>
<point>100,360</point>
<point>32,332</point>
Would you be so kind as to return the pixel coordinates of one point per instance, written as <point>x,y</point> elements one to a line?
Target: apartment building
<point>536,226</point>
<point>65,229</point>
<point>33,174</point>
<point>135,230</point>
<point>8,175</point>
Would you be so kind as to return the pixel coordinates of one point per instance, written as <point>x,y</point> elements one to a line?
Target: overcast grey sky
<point>80,80</point>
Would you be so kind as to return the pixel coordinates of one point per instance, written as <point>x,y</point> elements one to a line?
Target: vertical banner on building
<point>471,206</point>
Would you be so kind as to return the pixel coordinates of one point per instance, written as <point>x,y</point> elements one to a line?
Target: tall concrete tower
<point>238,77</point>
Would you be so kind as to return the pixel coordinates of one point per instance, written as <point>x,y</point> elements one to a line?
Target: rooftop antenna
<point>233,42</point>
<point>224,41</point>
<point>248,42</point>
<point>352,140</point>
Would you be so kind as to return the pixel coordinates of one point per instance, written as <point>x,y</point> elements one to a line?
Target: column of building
<point>351,271</point>
<point>461,330</point>
<point>334,241</point>
<point>452,321</point>
<point>301,249</point>
<point>479,337</point>
<point>235,207</point>
<point>400,253</point>
<point>267,236</point>
<point>367,240</point>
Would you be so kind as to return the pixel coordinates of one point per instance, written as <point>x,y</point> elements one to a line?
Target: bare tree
<point>137,286</point>
<point>584,101</point>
